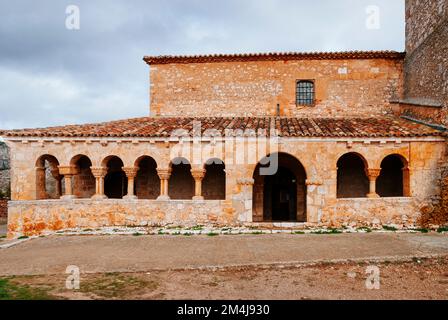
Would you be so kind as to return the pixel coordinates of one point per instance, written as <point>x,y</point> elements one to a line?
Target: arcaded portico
<point>76,181</point>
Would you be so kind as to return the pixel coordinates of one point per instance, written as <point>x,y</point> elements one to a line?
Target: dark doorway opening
<point>115,182</point>
<point>280,201</point>
<point>280,195</point>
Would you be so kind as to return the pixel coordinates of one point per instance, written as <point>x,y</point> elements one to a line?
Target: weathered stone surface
<point>256,87</point>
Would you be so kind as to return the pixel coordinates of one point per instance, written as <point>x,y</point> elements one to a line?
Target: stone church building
<point>274,139</point>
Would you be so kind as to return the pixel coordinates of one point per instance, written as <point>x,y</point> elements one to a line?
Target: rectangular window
<point>305,92</point>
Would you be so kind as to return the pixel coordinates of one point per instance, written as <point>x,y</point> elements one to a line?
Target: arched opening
<point>393,180</point>
<point>352,180</point>
<point>181,182</point>
<point>147,182</point>
<point>115,181</point>
<point>214,182</point>
<point>48,180</point>
<point>83,181</point>
<point>279,195</point>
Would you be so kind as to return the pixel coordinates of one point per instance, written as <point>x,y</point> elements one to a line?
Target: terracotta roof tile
<point>273,56</point>
<point>286,127</point>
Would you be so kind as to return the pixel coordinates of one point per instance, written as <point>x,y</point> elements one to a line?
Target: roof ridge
<point>228,57</point>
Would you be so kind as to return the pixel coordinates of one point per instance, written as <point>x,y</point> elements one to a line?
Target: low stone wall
<point>402,212</point>
<point>3,208</point>
<point>38,217</point>
<point>41,216</point>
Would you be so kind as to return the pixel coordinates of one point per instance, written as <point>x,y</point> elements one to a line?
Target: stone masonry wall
<point>318,157</point>
<point>426,79</point>
<point>426,63</point>
<point>343,88</point>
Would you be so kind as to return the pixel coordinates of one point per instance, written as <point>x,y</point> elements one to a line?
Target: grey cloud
<point>50,75</point>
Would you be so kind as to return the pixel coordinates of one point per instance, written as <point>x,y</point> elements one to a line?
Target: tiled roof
<point>152,60</point>
<point>286,127</point>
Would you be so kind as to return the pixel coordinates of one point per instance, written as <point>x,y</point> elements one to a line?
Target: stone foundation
<point>32,218</point>
<point>402,212</point>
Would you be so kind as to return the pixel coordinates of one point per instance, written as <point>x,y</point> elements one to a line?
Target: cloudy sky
<point>50,75</point>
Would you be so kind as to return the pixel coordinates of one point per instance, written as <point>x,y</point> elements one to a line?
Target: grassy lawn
<point>10,290</point>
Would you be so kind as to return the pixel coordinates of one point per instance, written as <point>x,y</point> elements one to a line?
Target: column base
<point>163,198</point>
<point>68,197</point>
<point>130,198</point>
<point>372,195</point>
<point>99,197</point>
<point>198,198</point>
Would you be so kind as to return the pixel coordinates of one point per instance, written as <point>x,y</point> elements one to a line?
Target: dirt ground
<point>419,279</point>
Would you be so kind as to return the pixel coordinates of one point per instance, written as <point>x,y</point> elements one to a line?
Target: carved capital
<point>372,174</point>
<point>130,172</point>
<point>67,170</point>
<point>98,172</point>
<point>164,174</point>
<point>198,174</point>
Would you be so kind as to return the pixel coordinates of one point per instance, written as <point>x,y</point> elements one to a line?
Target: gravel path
<point>52,255</point>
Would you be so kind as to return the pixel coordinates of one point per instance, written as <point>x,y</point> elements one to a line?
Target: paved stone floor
<point>51,255</point>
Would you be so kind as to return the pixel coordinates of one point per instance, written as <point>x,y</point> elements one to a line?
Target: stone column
<point>198,175</point>
<point>373,174</point>
<point>315,200</point>
<point>164,175</point>
<point>68,172</point>
<point>99,173</point>
<point>131,173</point>
<point>40,183</point>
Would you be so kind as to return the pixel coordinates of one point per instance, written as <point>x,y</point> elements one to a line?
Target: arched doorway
<point>394,177</point>
<point>83,181</point>
<point>115,181</point>
<point>181,182</point>
<point>214,183</point>
<point>48,179</point>
<point>279,195</point>
<point>147,182</point>
<point>352,181</point>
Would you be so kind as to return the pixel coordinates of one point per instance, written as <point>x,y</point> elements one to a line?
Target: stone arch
<point>352,180</point>
<point>181,183</point>
<point>48,179</point>
<point>279,194</point>
<point>147,181</point>
<point>214,182</point>
<point>115,181</point>
<point>83,180</point>
<point>393,180</point>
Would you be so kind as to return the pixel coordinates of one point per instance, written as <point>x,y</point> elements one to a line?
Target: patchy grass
<point>212,234</point>
<point>22,237</point>
<point>197,228</point>
<point>442,229</point>
<point>9,290</point>
<point>389,228</point>
<point>137,234</point>
<point>329,231</point>
<point>161,232</point>
<point>117,286</point>
<point>298,232</point>
<point>365,229</point>
<point>188,234</point>
<point>422,230</point>
<point>257,232</point>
